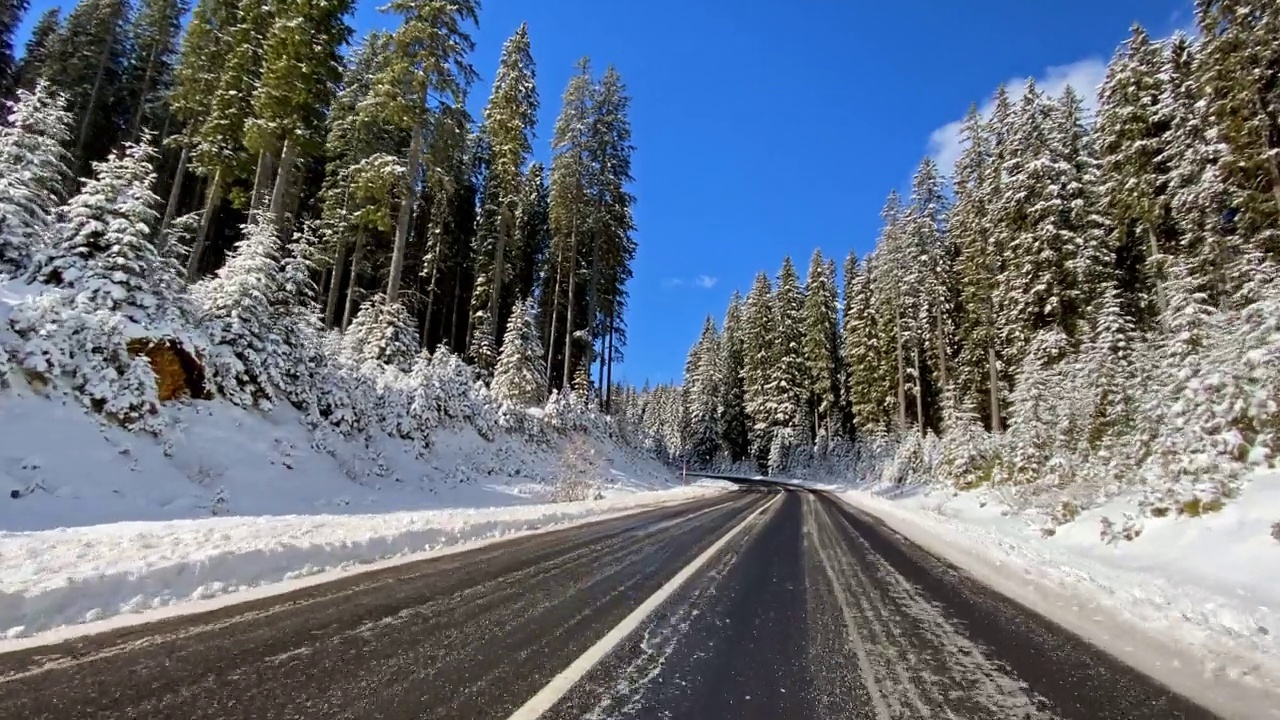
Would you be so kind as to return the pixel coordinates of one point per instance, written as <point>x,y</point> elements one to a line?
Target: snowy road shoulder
<point>81,576</point>
<point>1180,603</point>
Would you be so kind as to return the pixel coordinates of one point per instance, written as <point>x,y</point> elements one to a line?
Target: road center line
<point>549,695</point>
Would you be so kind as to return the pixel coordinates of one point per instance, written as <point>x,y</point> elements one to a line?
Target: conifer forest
<point>1088,302</point>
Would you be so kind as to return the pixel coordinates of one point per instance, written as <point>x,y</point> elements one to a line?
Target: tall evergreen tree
<point>30,68</point>
<point>571,178</point>
<point>153,37</point>
<point>734,439</point>
<point>520,376</point>
<point>759,360</point>
<point>301,68</point>
<point>508,129</point>
<point>821,344</point>
<point>33,172</point>
<point>428,70</point>
<point>11,13</point>
<point>87,63</point>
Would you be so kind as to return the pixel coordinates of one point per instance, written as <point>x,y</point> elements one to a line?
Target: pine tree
<point>87,64</point>
<point>153,37</point>
<point>30,68</point>
<point>731,408</point>
<point>613,247</point>
<point>11,12</point>
<point>821,343</point>
<point>701,396</point>
<point>508,130</point>
<point>218,150</point>
<point>428,68</point>
<point>109,257</point>
<point>759,360</point>
<point>1241,72</point>
<point>520,377</point>
<point>570,215</point>
<point>301,67</point>
<point>1131,143</point>
<point>788,378</point>
<point>32,173</point>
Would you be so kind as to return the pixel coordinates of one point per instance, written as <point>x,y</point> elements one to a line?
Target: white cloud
<point>706,282</point>
<point>1085,76</point>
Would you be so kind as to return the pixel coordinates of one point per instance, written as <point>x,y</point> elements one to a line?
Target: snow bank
<point>77,575</point>
<point>1193,601</point>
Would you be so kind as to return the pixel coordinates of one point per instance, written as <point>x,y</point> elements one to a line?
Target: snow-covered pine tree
<point>32,173</point>
<point>758,364</point>
<point>1240,70</point>
<point>428,68</point>
<point>1131,145</point>
<point>301,66</point>
<point>788,383</point>
<point>102,248</point>
<point>382,332</point>
<point>732,411</point>
<point>570,217</point>
<point>701,395</point>
<point>237,307</point>
<point>521,377</point>
<point>978,266</point>
<point>821,344</point>
<point>508,126</point>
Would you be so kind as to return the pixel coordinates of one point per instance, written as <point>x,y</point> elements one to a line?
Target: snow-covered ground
<point>96,521</point>
<point>1193,601</point>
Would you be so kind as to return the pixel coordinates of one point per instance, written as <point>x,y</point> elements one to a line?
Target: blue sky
<point>770,127</point>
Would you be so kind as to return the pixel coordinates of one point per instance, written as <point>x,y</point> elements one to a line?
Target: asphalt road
<point>754,604</point>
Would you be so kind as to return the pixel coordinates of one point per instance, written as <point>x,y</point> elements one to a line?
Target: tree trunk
<point>943,380</point>
<point>993,377</point>
<point>212,200</point>
<point>499,264</point>
<point>455,344</point>
<point>919,388</point>
<point>431,295</point>
<point>284,175</point>
<point>261,177</point>
<point>86,121</point>
<point>175,196</point>
<point>353,286</point>
<point>568,324</point>
<point>608,398</point>
<point>555,312</point>
<point>1162,302</point>
<point>600,376</point>
<point>406,212</point>
<point>135,125</point>
<point>335,284</point>
<point>902,370</point>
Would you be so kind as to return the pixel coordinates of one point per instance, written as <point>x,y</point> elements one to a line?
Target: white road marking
<point>561,683</point>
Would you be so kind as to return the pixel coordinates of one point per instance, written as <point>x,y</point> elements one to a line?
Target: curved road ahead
<point>763,603</point>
